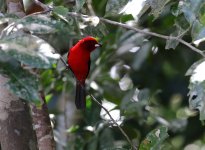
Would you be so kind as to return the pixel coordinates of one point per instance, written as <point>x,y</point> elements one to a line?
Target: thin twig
<point>143,31</point>
<point>122,131</point>
<point>94,99</point>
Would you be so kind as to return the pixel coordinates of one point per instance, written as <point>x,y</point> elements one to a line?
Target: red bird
<point>79,63</point>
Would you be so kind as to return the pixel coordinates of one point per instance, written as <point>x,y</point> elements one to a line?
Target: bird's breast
<point>78,61</point>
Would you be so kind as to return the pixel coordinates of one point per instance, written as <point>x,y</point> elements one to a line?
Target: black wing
<point>88,68</point>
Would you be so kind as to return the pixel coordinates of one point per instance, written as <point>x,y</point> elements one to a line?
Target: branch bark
<point>143,32</point>
<point>42,125</point>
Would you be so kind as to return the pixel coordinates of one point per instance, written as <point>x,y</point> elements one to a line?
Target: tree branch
<point>95,100</point>
<point>121,130</point>
<point>144,32</point>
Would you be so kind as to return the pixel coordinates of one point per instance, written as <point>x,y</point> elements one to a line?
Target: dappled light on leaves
<point>137,94</point>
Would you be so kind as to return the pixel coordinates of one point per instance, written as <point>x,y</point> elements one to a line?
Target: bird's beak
<point>98,45</point>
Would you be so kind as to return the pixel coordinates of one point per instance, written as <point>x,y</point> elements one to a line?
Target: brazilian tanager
<point>79,63</point>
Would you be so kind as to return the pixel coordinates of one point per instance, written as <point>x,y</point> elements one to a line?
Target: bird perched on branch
<point>79,63</point>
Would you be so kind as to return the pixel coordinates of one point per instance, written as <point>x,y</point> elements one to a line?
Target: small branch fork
<point>130,28</point>
<point>74,14</point>
<point>143,32</point>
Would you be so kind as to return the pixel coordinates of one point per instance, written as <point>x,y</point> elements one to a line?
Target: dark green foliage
<point>142,83</point>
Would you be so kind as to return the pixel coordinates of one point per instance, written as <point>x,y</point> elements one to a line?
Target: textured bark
<point>15,7</point>
<point>16,131</point>
<point>42,125</point>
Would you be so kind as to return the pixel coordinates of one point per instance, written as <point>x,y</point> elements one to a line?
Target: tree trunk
<point>16,131</point>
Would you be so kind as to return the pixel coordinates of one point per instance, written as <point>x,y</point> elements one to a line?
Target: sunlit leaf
<point>154,139</point>
<point>61,12</point>
<point>191,9</point>
<point>156,6</point>
<point>197,87</point>
<point>29,50</point>
<point>198,31</point>
<point>38,24</point>
<point>7,18</point>
<point>21,83</point>
<point>79,4</point>
<point>193,14</point>
<point>197,98</point>
<point>73,129</point>
<point>114,7</point>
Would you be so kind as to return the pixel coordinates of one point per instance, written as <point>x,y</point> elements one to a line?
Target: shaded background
<point>140,79</point>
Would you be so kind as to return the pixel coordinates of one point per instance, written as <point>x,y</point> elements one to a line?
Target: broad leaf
<point>197,98</point>
<point>154,139</point>
<point>181,28</point>
<point>37,24</point>
<point>194,14</point>
<point>114,7</point>
<point>198,31</point>
<point>61,12</point>
<point>21,83</point>
<point>29,50</point>
<point>7,18</point>
<point>79,4</point>
<point>197,87</point>
<point>157,7</point>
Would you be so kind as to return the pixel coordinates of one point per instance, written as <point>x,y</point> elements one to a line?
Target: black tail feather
<point>80,96</point>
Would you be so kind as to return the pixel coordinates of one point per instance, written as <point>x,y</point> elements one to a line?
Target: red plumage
<point>79,63</point>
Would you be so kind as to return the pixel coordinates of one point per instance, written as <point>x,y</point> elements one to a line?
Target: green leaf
<point>38,24</point>
<point>97,31</point>
<point>2,6</point>
<point>21,83</point>
<point>73,129</point>
<point>193,12</point>
<point>156,6</point>
<point>126,18</point>
<point>202,14</point>
<point>114,7</point>
<point>179,32</point>
<point>154,139</point>
<point>79,5</point>
<point>106,139</point>
<point>197,98</point>
<point>191,9</point>
<point>191,70</point>
<point>61,12</point>
<point>181,28</point>
<point>141,55</point>
<point>197,87</point>
<point>7,18</point>
<point>198,31</point>
<point>29,50</point>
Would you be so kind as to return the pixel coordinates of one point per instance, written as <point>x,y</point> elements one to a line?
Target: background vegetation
<point>138,77</point>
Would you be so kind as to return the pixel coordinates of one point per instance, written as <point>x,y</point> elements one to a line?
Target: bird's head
<point>89,43</point>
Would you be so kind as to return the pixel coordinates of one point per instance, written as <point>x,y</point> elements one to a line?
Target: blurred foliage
<point>143,86</point>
